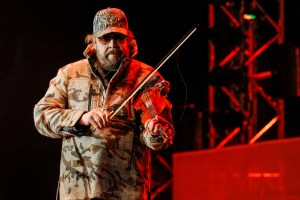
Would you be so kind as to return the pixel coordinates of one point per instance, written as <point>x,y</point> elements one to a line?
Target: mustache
<point>118,51</point>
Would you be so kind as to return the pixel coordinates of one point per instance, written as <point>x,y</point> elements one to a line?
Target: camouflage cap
<point>110,20</point>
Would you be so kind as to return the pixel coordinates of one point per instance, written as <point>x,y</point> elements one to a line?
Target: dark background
<point>38,37</point>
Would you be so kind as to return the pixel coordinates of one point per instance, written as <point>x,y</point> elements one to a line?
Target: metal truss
<point>163,173</point>
<point>240,31</point>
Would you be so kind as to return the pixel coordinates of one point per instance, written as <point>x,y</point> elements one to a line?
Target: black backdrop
<point>38,37</point>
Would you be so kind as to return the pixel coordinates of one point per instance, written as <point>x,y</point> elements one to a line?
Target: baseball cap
<point>110,20</point>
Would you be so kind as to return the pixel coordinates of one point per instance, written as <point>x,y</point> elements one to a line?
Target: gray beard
<point>109,65</point>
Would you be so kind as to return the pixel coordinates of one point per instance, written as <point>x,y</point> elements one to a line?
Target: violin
<point>152,102</point>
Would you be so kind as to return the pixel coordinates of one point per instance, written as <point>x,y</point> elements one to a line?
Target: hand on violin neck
<point>158,126</point>
<point>97,118</point>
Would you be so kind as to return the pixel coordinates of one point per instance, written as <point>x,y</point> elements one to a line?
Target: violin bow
<point>158,66</point>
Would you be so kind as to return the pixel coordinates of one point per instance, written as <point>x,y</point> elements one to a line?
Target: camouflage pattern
<point>110,20</point>
<point>111,163</point>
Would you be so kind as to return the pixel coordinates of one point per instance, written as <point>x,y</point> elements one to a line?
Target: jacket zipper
<point>90,97</point>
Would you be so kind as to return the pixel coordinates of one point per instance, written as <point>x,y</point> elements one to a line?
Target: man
<point>106,149</point>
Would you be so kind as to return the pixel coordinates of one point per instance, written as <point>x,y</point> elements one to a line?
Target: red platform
<point>267,170</point>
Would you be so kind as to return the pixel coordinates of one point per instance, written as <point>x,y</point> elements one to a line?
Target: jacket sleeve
<point>51,114</point>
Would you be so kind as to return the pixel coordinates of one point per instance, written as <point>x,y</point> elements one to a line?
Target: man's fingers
<point>97,118</point>
<point>153,125</point>
<point>90,121</point>
<point>156,124</point>
<point>107,115</point>
<point>161,119</point>
<point>157,127</point>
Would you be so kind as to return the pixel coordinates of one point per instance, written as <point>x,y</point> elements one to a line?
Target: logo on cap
<point>110,20</point>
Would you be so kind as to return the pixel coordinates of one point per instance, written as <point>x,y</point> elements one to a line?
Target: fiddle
<point>152,102</point>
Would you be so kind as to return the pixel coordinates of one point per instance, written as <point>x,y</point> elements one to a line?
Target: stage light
<point>249,16</point>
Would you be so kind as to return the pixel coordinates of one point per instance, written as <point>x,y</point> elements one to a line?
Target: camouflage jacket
<point>111,163</point>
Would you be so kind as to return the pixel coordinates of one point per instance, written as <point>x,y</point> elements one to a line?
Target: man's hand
<point>97,118</point>
<point>155,124</point>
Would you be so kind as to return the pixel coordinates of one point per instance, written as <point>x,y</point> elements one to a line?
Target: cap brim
<point>113,30</point>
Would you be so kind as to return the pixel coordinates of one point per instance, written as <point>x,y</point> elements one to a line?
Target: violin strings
<point>147,99</point>
<point>149,105</point>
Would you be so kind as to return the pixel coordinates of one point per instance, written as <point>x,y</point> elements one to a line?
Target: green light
<point>249,16</point>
